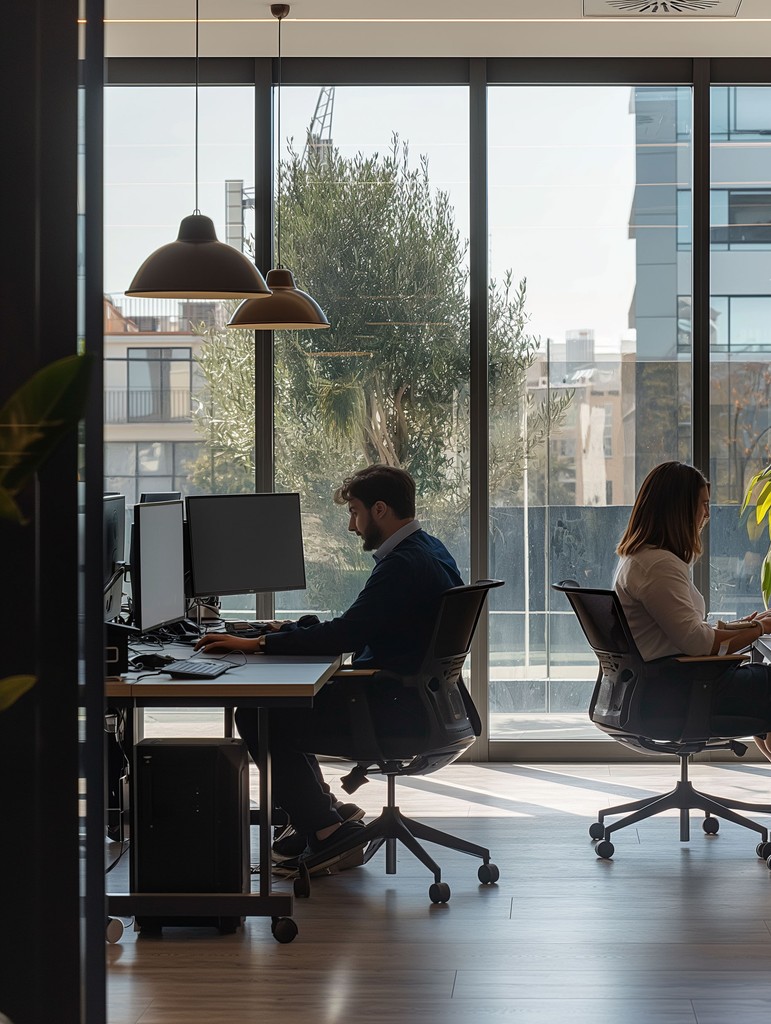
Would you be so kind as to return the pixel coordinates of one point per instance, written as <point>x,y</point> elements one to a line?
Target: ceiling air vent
<point>661,8</point>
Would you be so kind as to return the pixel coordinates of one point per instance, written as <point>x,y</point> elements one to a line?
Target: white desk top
<point>261,676</point>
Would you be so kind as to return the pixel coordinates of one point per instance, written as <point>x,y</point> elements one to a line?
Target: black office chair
<point>648,707</point>
<point>414,725</point>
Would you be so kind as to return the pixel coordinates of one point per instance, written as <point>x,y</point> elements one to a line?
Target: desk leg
<point>266,800</point>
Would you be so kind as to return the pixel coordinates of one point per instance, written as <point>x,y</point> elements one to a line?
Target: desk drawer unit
<point>191,821</point>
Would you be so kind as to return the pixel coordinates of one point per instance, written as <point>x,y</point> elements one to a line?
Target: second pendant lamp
<point>287,308</point>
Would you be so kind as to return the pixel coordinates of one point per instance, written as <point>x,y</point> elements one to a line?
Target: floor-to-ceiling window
<point>740,336</point>
<point>373,190</point>
<point>172,422</point>
<point>589,376</point>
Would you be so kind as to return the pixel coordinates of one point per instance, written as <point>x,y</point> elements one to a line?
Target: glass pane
<point>740,411</point>
<point>589,375</point>
<point>166,386</point>
<point>374,219</point>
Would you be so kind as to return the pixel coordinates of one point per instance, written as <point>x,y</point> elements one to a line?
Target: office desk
<point>263,683</point>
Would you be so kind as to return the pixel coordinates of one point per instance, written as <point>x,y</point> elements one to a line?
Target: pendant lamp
<point>197,265</point>
<point>287,308</point>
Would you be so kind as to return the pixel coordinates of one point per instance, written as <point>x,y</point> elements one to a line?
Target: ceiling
<point>474,28</point>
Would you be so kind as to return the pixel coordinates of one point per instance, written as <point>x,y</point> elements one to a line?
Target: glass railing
<point>147,405</point>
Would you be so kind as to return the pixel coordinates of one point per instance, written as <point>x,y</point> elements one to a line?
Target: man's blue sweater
<point>389,624</point>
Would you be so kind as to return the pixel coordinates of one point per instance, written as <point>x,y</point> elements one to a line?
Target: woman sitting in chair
<point>664,609</point>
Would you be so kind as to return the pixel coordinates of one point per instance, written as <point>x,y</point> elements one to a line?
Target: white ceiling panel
<point>438,28</point>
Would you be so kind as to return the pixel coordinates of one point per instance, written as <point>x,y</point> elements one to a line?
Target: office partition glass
<point>374,223</point>
<point>589,192</point>
<point>740,338</point>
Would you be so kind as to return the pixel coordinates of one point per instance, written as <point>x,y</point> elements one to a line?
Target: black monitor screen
<point>157,567</point>
<point>113,557</point>
<point>245,543</point>
<point>147,496</point>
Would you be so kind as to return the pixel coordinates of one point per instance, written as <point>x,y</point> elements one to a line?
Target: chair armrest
<point>711,657</point>
<point>346,672</point>
<point>699,710</point>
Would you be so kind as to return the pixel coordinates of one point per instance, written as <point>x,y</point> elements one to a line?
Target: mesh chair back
<point>604,624</point>
<point>429,716</point>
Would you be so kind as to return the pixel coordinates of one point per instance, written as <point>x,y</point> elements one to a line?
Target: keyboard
<point>246,630</point>
<point>193,668</point>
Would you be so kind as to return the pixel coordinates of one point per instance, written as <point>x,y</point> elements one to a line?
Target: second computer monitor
<point>146,497</point>
<point>157,566</point>
<point>245,543</point>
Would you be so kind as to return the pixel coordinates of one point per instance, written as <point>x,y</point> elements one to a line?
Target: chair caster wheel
<point>597,830</point>
<point>439,892</point>
<point>283,929</point>
<point>114,930</point>
<point>488,873</point>
<point>711,825</point>
<point>763,850</point>
<point>605,849</point>
<point>302,884</point>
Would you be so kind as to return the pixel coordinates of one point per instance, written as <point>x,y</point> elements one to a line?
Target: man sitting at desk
<point>388,626</point>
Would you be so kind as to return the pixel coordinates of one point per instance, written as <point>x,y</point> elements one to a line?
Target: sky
<point>561,172</point>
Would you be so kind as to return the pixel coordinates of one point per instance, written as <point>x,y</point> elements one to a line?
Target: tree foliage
<point>378,248</point>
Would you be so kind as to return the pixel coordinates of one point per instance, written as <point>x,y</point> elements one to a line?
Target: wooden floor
<point>666,932</point>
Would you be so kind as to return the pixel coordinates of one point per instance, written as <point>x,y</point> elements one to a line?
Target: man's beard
<point>372,538</point>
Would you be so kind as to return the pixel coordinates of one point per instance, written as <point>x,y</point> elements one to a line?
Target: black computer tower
<point>191,821</point>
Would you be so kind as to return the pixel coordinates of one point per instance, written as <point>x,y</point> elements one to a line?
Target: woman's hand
<point>215,643</point>
<point>764,618</point>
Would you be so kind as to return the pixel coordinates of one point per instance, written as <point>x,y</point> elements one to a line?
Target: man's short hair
<point>380,483</point>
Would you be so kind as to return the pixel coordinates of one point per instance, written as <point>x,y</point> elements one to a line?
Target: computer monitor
<point>245,543</point>
<point>157,567</point>
<point>113,553</point>
<point>147,496</point>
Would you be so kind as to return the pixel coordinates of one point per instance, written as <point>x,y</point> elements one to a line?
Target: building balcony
<point>148,405</point>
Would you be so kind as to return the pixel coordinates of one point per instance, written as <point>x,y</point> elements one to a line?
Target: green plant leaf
<point>765,578</point>
<point>755,530</point>
<point>36,417</point>
<point>12,687</point>
<point>763,502</point>
<point>764,474</point>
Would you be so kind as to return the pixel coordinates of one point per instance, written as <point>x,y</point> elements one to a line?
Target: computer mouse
<point>150,661</point>
<point>308,620</point>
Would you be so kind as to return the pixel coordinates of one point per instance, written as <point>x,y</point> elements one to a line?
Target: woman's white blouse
<point>664,609</point>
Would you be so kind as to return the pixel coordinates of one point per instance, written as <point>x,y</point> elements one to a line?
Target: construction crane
<point>318,143</point>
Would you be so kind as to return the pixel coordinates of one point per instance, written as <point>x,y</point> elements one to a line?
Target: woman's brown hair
<point>666,512</point>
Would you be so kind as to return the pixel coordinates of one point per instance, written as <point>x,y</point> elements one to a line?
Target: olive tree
<point>378,248</point>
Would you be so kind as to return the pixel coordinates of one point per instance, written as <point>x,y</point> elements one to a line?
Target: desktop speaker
<point>191,821</point>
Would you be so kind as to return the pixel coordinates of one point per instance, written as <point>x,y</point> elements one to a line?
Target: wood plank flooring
<point>676,933</point>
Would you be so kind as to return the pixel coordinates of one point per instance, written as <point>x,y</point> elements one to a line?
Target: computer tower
<point>191,821</point>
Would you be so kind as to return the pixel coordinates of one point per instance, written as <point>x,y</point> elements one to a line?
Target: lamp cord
<point>196,210</point>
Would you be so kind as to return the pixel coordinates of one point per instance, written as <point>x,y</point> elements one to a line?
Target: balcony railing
<point>147,405</point>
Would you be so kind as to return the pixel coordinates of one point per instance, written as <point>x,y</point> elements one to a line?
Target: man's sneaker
<point>288,846</point>
<point>348,812</point>
<point>291,844</point>
<point>324,854</point>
